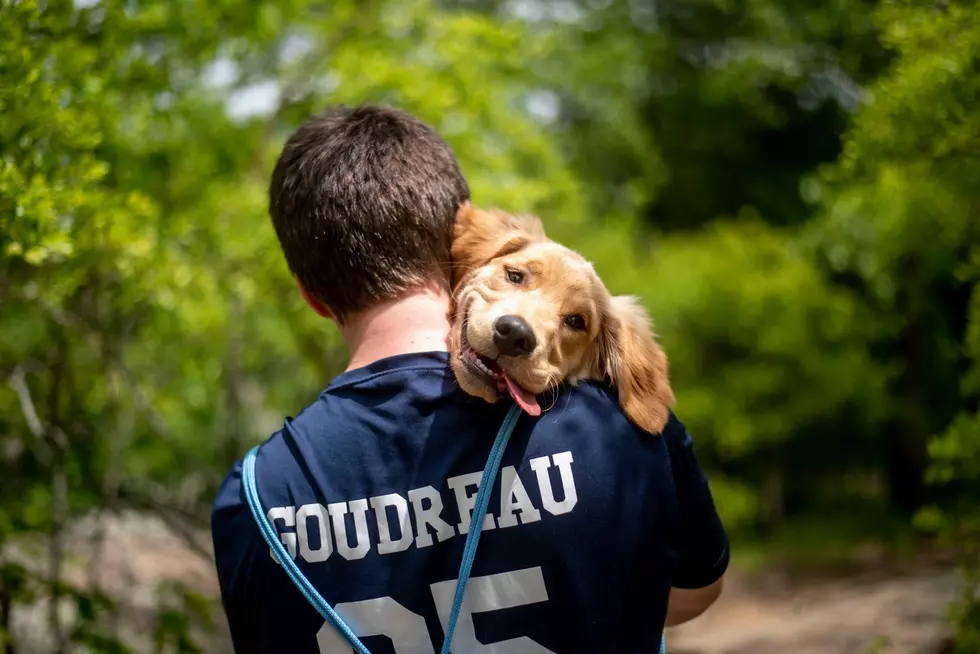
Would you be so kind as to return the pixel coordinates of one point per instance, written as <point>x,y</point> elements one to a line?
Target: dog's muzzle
<point>513,336</point>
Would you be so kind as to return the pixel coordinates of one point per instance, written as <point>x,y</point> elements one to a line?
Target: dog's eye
<point>576,322</point>
<point>515,276</point>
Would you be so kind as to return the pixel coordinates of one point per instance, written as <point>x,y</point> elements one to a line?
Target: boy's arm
<point>702,543</point>
<point>688,603</point>
<point>230,560</point>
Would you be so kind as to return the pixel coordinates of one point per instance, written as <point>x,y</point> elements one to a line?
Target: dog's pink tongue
<point>525,399</point>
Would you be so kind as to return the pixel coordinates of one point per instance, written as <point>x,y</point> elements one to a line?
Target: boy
<point>370,488</point>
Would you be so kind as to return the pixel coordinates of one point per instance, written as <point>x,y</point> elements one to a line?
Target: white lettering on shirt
<point>313,531</point>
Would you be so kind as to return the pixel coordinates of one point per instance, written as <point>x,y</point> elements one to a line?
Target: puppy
<point>530,314</point>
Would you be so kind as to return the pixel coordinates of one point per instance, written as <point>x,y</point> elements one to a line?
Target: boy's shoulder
<point>596,404</point>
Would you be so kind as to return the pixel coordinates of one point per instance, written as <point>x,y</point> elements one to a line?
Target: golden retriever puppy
<point>530,314</point>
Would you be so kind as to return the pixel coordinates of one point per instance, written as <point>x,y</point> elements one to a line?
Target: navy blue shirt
<point>370,488</point>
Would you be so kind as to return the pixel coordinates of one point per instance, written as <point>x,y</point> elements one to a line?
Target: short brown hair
<point>363,202</point>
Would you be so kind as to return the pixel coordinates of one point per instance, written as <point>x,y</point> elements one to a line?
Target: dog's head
<point>530,314</point>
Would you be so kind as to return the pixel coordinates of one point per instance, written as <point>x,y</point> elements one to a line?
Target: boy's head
<point>363,201</point>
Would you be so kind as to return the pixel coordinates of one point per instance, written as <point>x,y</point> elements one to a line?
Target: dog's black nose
<point>513,336</point>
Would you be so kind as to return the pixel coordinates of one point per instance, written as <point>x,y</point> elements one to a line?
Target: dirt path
<point>901,614</point>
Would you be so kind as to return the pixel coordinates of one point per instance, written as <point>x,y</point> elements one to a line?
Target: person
<point>597,534</point>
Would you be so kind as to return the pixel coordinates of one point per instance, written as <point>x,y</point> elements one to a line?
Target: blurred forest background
<point>792,186</point>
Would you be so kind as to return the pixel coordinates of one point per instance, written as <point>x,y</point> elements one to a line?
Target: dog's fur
<point>504,264</point>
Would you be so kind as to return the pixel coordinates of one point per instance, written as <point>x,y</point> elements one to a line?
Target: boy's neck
<point>414,323</point>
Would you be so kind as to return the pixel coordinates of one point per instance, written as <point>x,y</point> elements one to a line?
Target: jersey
<point>591,521</point>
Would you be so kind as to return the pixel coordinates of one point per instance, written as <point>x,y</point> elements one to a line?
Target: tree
<point>900,222</point>
<point>901,226</point>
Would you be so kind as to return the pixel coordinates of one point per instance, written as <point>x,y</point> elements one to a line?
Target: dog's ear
<point>481,236</point>
<point>628,355</point>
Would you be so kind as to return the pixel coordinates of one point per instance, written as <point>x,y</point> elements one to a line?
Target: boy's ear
<point>629,356</point>
<point>483,235</point>
<point>320,308</point>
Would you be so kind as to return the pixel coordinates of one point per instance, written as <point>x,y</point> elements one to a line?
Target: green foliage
<point>88,630</point>
<point>50,132</point>
<point>183,609</point>
<point>760,355</point>
<point>901,216</point>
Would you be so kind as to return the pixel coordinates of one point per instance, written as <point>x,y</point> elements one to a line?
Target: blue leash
<point>304,585</point>
<point>469,549</point>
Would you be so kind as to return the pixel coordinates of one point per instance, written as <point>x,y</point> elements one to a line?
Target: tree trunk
<point>908,446</point>
<point>234,439</point>
<point>6,606</point>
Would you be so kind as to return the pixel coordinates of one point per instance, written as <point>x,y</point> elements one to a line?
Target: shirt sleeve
<point>702,543</point>
<point>232,558</point>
